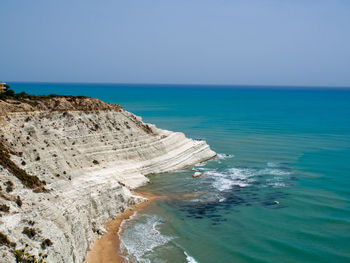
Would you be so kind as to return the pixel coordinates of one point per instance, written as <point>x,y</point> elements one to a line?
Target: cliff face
<point>89,155</point>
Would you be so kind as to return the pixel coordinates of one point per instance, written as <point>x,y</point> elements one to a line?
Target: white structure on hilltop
<point>3,87</point>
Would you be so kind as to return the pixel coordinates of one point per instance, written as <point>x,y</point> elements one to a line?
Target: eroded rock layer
<point>88,157</point>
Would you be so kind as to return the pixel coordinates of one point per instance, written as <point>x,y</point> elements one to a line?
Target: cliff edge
<point>67,167</point>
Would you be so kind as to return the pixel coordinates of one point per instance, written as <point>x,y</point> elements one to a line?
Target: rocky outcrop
<point>197,175</point>
<point>89,155</point>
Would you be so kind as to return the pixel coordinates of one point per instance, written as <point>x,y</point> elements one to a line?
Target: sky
<point>226,42</point>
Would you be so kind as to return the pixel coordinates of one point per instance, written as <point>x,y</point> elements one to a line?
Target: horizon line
<point>189,84</point>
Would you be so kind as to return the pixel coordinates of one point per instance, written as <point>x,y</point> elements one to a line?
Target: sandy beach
<point>107,248</point>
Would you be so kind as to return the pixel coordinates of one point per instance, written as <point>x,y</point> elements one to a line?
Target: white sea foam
<point>232,177</point>
<point>272,164</point>
<point>276,182</point>
<point>243,177</point>
<point>200,164</point>
<point>133,240</point>
<point>121,229</point>
<point>190,259</point>
<point>180,171</point>
<point>122,224</point>
<point>200,169</point>
<point>272,171</point>
<point>221,156</point>
<point>223,184</point>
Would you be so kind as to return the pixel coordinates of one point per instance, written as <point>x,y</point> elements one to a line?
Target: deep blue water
<point>278,192</point>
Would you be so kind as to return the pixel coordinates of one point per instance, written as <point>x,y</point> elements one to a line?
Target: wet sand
<point>107,248</point>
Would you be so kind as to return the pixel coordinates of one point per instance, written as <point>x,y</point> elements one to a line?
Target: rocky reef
<point>68,165</point>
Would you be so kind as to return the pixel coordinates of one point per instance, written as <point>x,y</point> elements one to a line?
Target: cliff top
<point>22,102</point>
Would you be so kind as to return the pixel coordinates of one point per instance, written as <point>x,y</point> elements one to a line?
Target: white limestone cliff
<point>89,160</point>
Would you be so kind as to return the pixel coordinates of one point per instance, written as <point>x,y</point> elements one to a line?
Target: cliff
<point>67,167</point>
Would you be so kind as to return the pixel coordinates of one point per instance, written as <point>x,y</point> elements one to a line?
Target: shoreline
<point>90,154</point>
<point>106,249</point>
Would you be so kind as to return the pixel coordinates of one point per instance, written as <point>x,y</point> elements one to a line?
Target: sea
<point>277,192</point>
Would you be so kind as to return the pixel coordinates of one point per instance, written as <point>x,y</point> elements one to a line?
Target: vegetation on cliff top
<point>24,97</point>
<point>19,102</point>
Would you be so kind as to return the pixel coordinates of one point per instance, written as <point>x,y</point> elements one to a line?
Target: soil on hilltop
<point>22,102</point>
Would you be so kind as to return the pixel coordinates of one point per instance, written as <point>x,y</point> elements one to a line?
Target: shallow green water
<point>278,192</point>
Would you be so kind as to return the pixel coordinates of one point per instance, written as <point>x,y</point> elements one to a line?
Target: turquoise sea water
<point>279,190</point>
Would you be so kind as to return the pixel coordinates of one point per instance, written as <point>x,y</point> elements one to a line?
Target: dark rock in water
<point>213,216</point>
<point>213,207</point>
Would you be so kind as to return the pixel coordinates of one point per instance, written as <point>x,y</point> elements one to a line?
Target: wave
<point>133,241</point>
<point>222,156</point>
<point>273,171</point>
<point>122,224</point>
<point>243,177</point>
<point>275,182</point>
<point>232,177</point>
<point>190,259</point>
<point>200,164</point>
<point>222,183</point>
<point>272,164</point>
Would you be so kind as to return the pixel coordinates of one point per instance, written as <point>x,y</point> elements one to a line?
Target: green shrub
<point>4,208</point>
<point>29,232</point>
<point>46,243</point>
<point>4,240</point>
<point>9,186</point>
<point>24,256</point>
<point>18,201</point>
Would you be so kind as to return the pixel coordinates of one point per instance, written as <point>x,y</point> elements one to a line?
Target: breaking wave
<point>190,259</point>
<point>133,241</point>
<point>243,177</point>
<point>221,156</point>
<point>227,179</point>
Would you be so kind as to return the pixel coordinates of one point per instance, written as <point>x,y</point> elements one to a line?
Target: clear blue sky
<point>252,42</point>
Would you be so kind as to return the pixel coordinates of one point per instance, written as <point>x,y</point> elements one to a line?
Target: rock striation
<point>89,155</point>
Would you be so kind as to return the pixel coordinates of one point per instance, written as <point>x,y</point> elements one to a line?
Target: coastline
<point>83,157</point>
<point>107,248</point>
